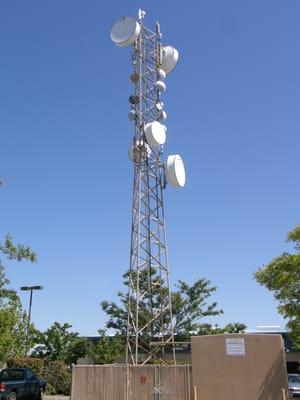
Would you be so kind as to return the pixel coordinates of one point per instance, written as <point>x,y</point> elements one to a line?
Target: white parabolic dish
<point>161,86</point>
<point>125,31</point>
<point>175,172</point>
<point>169,59</point>
<point>155,133</point>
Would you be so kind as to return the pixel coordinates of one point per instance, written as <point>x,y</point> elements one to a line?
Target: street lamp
<point>31,289</point>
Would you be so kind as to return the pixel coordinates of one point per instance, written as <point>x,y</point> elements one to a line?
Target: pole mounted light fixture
<point>31,289</point>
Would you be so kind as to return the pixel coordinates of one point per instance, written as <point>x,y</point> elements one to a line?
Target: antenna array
<point>149,324</point>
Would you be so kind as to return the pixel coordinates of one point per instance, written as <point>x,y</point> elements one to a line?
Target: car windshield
<point>11,375</point>
<point>294,379</point>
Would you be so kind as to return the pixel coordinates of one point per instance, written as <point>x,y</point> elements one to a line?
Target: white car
<point>294,384</point>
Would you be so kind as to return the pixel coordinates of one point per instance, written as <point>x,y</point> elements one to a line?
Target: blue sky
<point>233,115</point>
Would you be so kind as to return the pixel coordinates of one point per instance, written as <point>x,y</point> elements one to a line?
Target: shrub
<point>56,373</point>
<point>35,364</point>
<point>58,377</point>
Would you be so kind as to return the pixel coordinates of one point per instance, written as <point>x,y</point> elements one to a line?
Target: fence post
<point>195,392</point>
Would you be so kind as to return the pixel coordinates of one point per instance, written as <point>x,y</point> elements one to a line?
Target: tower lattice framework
<point>149,325</point>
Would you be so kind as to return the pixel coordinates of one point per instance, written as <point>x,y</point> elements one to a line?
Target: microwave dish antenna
<point>155,133</point>
<point>125,31</point>
<point>149,316</point>
<point>169,59</point>
<point>175,172</point>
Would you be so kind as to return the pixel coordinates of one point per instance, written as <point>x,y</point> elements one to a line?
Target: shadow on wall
<point>274,382</point>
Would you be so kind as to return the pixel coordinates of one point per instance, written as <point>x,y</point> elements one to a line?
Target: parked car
<point>20,383</point>
<point>294,384</point>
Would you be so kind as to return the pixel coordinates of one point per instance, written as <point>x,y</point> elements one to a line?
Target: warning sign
<point>235,347</point>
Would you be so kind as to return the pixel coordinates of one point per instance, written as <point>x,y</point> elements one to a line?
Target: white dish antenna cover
<point>169,59</point>
<point>125,31</point>
<point>163,116</point>
<point>155,133</point>
<point>161,86</point>
<point>175,172</point>
<point>161,74</point>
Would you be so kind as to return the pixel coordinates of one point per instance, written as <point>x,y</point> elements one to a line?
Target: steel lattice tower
<point>148,252</point>
<point>149,324</point>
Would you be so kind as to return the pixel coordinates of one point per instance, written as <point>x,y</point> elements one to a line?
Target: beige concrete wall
<point>109,382</point>
<point>239,366</point>
<point>221,370</point>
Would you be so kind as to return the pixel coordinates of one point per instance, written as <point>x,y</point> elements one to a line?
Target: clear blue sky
<point>233,107</point>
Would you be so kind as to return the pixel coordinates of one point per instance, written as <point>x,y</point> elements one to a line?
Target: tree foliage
<point>59,343</point>
<point>233,327</point>
<point>35,364</point>
<point>108,349</point>
<point>13,321</point>
<point>282,276</point>
<point>58,377</point>
<point>190,305</point>
<point>16,252</point>
<point>56,373</point>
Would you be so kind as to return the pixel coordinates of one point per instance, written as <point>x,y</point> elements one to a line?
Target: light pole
<point>31,289</point>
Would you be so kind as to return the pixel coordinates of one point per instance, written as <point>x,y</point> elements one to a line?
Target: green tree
<point>207,329</point>
<point>190,304</point>
<point>108,349</point>
<point>16,252</point>
<point>13,321</point>
<point>56,373</point>
<point>59,343</point>
<point>282,276</point>
<point>58,377</point>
